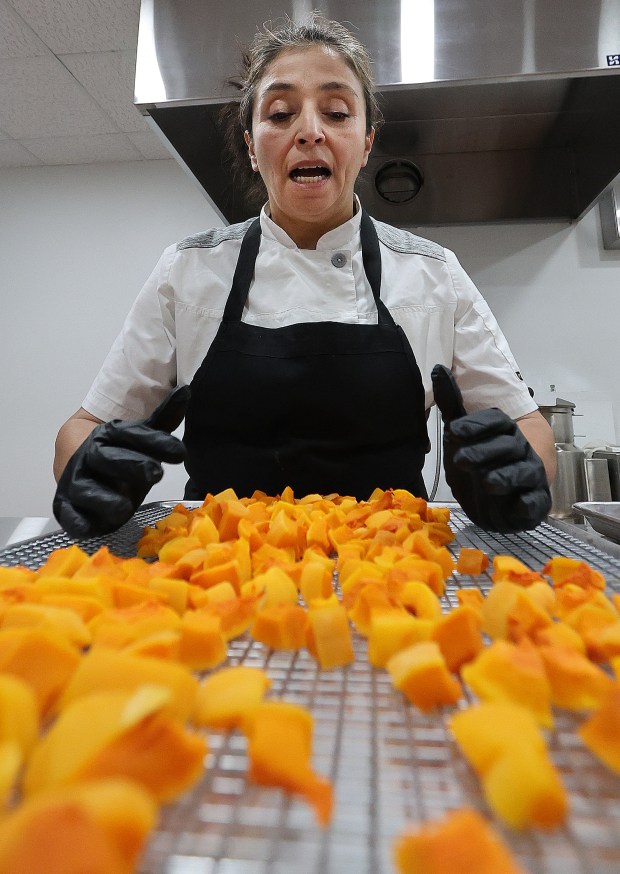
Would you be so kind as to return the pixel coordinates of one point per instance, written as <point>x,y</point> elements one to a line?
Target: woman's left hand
<point>493,471</point>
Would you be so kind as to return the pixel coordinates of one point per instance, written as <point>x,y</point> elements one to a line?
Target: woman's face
<point>309,138</point>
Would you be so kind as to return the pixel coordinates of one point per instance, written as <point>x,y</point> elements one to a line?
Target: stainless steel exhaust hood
<point>495,110</point>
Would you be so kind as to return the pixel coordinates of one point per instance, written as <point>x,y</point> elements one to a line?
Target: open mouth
<point>309,174</point>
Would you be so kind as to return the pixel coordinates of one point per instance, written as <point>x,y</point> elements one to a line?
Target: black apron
<point>322,407</point>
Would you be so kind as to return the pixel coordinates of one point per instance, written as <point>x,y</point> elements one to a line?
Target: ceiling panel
<point>84,149</point>
<point>39,97</point>
<point>17,39</point>
<point>67,69</point>
<point>82,25</point>
<point>109,78</point>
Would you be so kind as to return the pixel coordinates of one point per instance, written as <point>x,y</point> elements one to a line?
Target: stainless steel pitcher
<point>569,485</point>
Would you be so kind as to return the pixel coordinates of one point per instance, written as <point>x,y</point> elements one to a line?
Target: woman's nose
<point>310,129</point>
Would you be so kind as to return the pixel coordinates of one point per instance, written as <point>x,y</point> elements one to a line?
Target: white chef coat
<point>176,315</point>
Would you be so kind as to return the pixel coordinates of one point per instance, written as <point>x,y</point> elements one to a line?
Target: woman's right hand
<point>109,475</point>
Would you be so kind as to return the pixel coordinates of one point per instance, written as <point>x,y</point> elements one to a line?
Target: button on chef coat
<point>176,315</point>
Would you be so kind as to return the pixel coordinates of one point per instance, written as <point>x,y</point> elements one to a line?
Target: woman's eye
<point>279,116</point>
<point>338,116</point>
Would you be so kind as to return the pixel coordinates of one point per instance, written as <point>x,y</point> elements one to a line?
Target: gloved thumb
<point>171,412</point>
<point>447,394</point>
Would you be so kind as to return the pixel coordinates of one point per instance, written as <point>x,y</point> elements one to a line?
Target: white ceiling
<point>66,84</point>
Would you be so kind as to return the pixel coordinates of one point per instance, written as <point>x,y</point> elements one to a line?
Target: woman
<point>284,328</point>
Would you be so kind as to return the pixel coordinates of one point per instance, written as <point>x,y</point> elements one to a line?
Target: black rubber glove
<point>109,475</point>
<point>494,473</point>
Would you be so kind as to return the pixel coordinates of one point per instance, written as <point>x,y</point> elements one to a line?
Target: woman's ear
<point>251,153</point>
<point>370,136</point>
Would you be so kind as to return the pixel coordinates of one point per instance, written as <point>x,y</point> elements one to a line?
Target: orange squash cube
<point>564,571</point>
<point>511,672</point>
<point>202,643</point>
<point>112,670</point>
<point>421,674</point>
<point>283,626</point>
<point>503,744</point>
<point>459,635</point>
<point>513,570</point>
<point>226,697</point>
<point>42,658</point>
<point>280,750</point>
<point>118,734</point>
<point>471,561</point>
<point>576,683</point>
<point>329,634</point>
<point>108,819</point>
<point>461,842</point>
<point>601,731</point>
<point>392,630</point>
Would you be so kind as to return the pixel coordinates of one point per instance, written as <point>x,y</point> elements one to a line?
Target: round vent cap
<point>398,181</point>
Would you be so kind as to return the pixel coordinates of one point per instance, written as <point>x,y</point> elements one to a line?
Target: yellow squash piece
<point>505,747</point>
<point>280,751</point>
<point>119,734</point>
<point>459,636</point>
<point>461,842</point>
<point>392,630</point>
<point>329,634</point>
<point>283,626</point>
<point>601,731</point>
<point>106,670</point>
<point>421,673</point>
<point>106,821</point>
<point>42,658</point>
<point>511,672</point>
<point>227,696</point>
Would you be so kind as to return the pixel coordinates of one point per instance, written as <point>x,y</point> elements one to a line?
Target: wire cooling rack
<point>391,765</point>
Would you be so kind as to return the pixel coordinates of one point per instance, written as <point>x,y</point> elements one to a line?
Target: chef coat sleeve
<point>140,368</point>
<point>482,363</point>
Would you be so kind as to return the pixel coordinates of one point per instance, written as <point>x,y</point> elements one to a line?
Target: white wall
<point>76,244</point>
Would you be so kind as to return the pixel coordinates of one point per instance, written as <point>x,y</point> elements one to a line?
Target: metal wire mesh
<point>391,764</point>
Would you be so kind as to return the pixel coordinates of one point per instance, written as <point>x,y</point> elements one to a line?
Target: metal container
<point>597,479</point>
<point>612,456</point>
<point>569,485</point>
<point>560,417</point>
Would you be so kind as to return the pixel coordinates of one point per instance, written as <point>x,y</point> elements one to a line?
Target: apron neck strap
<point>244,271</point>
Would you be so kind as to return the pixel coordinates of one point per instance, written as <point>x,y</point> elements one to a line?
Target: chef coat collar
<point>345,236</point>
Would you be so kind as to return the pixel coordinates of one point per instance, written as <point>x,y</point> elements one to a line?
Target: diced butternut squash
<point>392,630</point>
<point>459,636</point>
<point>461,842</point>
<point>283,626</point>
<point>421,674</point>
<point>329,634</point>
<point>42,658</point>
<point>513,570</point>
<point>59,620</point>
<point>110,670</point>
<point>226,697</point>
<point>511,672</point>
<point>503,744</point>
<point>472,561</point>
<point>108,820</point>
<point>280,751</point>
<point>601,731</point>
<point>118,734</point>
<point>202,643</point>
<point>564,571</point>
<point>576,683</point>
